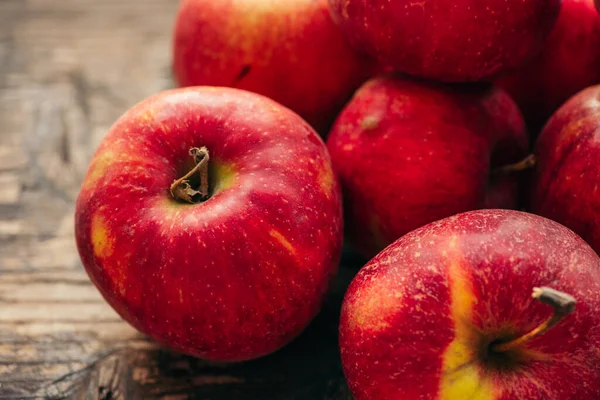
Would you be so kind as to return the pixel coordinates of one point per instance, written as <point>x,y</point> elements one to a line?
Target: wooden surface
<point>68,69</point>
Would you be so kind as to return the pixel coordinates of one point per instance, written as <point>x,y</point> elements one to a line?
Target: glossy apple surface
<point>409,152</point>
<point>461,40</point>
<point>419,321</point>
<point>238,275</point>
<point>568,172</point>
<point>568,63</point>
<point>290,51</point>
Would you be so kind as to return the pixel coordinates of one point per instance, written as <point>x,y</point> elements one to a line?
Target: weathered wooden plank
<point>45,293</point>
<point>71,276</point>
<point>11,189</point>
<point>74,312</point>
<point>109,332</point>
<point>12,158</point>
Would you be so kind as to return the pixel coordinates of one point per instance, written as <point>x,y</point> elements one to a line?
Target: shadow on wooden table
<point>307,369</point>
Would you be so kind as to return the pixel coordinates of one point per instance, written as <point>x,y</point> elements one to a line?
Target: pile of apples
<point>212,216</point>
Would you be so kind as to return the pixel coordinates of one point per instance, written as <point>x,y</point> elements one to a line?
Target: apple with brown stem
<point>227,254</point>
<point>446,313</point>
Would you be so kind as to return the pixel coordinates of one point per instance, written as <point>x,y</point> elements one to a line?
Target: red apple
<point>569,62</point>
<point>410,152</point>
<point>437,314</point>
<point>231,277</point>
<point>461,40</point>
<point>567,173</point>
<point>290,51</point>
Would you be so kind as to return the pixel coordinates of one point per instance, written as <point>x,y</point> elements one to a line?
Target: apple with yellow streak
<point>446,312</point>
<point>210,219</point>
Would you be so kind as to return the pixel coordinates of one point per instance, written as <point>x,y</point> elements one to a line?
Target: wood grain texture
<point>68,69</point>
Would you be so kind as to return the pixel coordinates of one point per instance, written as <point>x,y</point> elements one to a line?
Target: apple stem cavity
<point>563,305</point>
<point>524,164</point>
<point>181,188</point>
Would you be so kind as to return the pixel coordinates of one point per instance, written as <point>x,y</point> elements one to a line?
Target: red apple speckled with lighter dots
<point>567,179</point>
<point>459,40</point>
<point>230,263</point>
<point>288,50</point>
<point>568,63</point>
<point>409,152</point>
<point>445,313</point>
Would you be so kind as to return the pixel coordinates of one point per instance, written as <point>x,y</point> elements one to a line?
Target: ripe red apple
<point>410,152</point>
<point>569,62</point>
<point>438,313</point>
<point>461,40</point>
<point>290,51</point>
<point>242,268</point>
<point>567,173</point>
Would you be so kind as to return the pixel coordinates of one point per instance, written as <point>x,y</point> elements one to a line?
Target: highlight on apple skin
<point>446,312</point>
<point>567,174</point>
<point>290,51</point>
<point>228,264</point>
<point>408,152</point>
<point>453,41</point>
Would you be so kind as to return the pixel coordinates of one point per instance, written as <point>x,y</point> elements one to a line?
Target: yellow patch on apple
<point>371,309</point>
<point>102,241</point>
<point>326,179</point>
<point>97,169</point>
<point>282,240</point>
<point>461,376</point>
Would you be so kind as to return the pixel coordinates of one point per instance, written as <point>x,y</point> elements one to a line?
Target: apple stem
<point>522,165</point>
<point>563,305</point>
<point>182,190</point>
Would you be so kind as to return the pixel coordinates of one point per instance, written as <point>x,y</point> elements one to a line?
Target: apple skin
<point>409,152</point>
<point>232,278</point>
<point>290,51</point>
<point>568,63</point>
<point>567,174</point>
<point>417,319</point>
<point>462,40</point>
